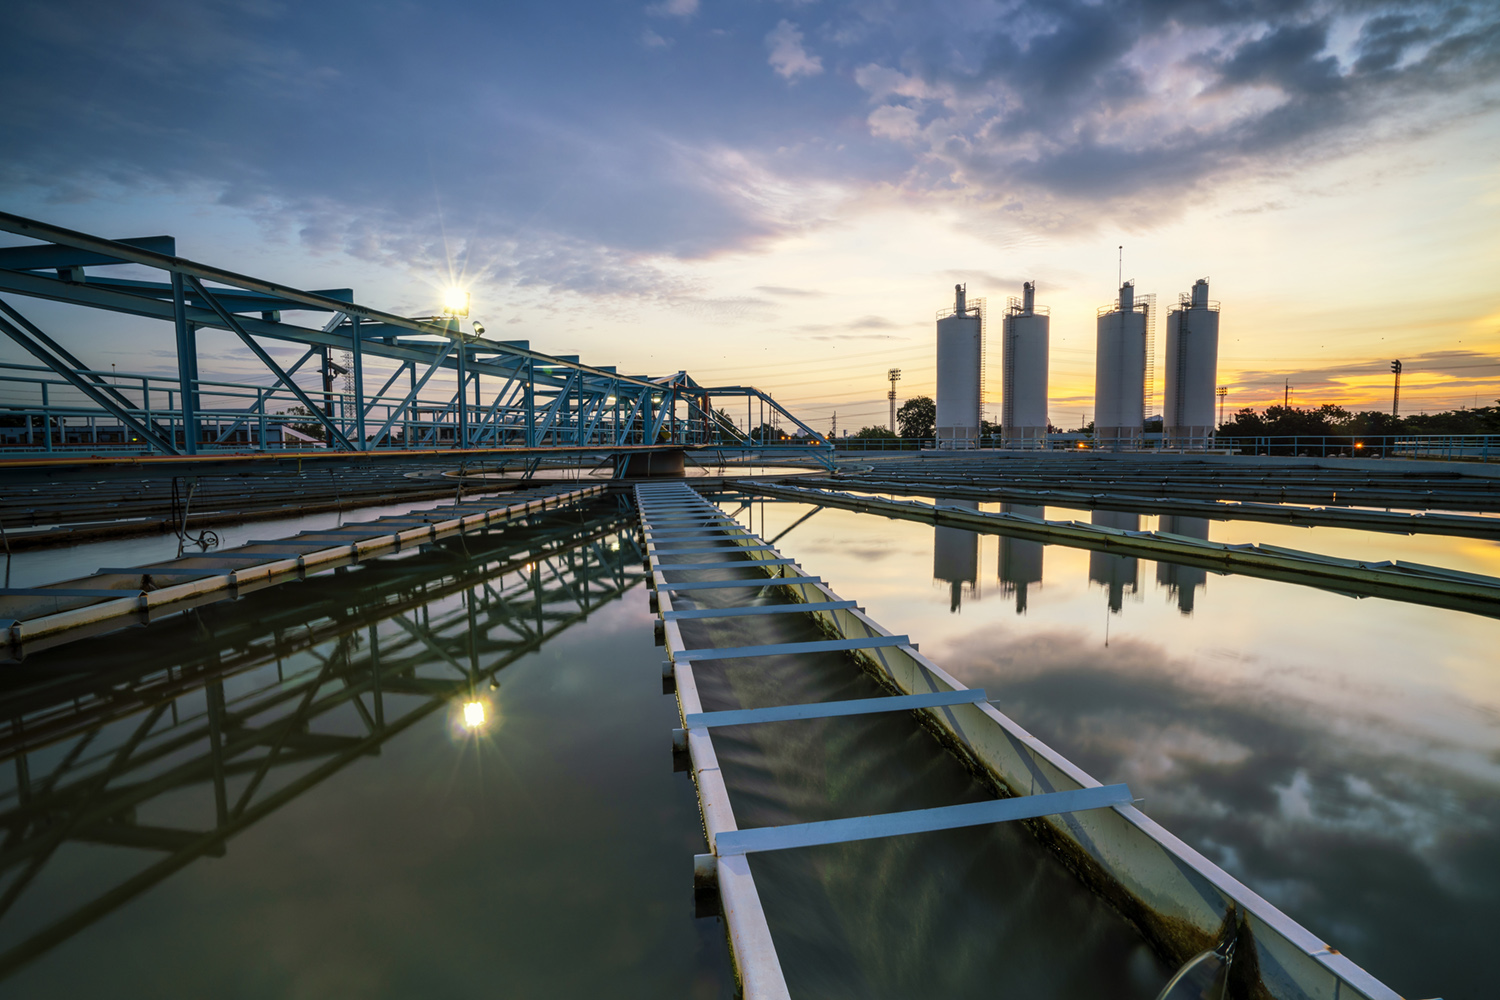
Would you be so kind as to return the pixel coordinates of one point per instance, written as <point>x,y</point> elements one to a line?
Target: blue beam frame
<point>519,398</point>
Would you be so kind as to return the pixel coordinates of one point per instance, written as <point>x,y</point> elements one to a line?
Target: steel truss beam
<point>540,400</point>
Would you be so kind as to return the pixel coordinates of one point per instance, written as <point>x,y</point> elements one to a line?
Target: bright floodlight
<point>456,302</point>
<point>473,714</point>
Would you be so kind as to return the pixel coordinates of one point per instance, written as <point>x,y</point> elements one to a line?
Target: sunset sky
<point>785,193</point>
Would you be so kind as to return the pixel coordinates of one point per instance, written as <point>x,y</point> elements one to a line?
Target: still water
<point>1340,756</point>
<point>279,796</point>
<point>376,846</point>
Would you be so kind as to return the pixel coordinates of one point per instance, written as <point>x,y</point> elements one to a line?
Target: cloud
<point>988,282</point>
<point>1064,108</point>
<point>789,292</point>
<point>673,8</point>
<point>652,40</point>
<point>788,57</point>
<point>1458,368</point>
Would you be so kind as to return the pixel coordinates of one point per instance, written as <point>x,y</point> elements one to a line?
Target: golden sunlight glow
<point>456,302</point>
<point>473,714</point>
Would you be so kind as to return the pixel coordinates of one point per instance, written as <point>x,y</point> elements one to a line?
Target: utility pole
<point>894,375</point>
<point>1221,392</point>
<point>834,430</point>
<point>1286,393</point>
<point>1396,395</point>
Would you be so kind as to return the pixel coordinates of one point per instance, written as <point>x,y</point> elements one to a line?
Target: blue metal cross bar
<point>759,609</point>
<point>834,709</point>
<point>727,550</point>
<point>840,831</point>
<point>769,581</point>
<point>60,592</point>
<point>728,564</point>
<point>689,534</point>
<point>780,648</point>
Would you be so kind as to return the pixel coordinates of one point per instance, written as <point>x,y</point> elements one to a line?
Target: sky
<point>784,193</point>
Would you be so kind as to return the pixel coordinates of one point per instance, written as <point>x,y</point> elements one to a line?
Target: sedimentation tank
<point>1023,363</point>
<point>1192,365</point>
<point>960,368</point>
<point>1120,371</point>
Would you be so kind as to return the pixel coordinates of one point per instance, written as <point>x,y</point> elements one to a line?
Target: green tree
<point>873,432</point>
<point>917,417</point>
<point>724,427</point>
<point>765,434</point>
<point>312,428</point>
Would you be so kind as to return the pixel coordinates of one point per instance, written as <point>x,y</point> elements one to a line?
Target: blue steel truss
<point>439,387</point>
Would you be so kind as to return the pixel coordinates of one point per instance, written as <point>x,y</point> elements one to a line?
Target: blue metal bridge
<point>380,383</point>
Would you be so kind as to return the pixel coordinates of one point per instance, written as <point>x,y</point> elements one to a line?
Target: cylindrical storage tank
<point>960,358</point>
<point>955,557</point>
<point>1117,574</point>
<point>1023,365</point>
<point>1182,582</point>
<point>1120,373</point>
<point>1192,364</point>
<point>1020,559</point>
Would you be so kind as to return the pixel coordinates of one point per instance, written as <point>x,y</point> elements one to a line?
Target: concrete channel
<point>1185,906</point>
<point>34,618</point>
<point>1390,521</point>
<point>1394,579</point>
<point>1337,482</point>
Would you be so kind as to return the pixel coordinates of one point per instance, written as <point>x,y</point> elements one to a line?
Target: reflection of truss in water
<point>271,695</point>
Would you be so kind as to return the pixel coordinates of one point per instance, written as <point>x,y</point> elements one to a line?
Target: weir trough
<point>39,617</point>
<point>1180,901</point>
<point>1395,579</point>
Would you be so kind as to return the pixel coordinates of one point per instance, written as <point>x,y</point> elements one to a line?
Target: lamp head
<point>456,302</point>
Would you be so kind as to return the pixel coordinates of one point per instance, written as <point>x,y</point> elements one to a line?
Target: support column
<point>359,385</point>
<point>187,366</point>
<point>462,395</point>
<point>531,402</point>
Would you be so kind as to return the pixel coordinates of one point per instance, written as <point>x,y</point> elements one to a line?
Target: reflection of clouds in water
<point>869,551</point>
<point>1334,807</point>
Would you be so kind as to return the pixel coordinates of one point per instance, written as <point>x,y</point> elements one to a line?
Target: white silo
<point>1023,370</point>
<point>1020,558</point>
<point>1120,371</point>
<point>960,371</point>
<point>1182,582</point>
<point>955,558</point>
<point>1117,574</point>
<point>1192,364</point>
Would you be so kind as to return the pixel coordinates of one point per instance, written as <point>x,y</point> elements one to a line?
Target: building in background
<point>1122,370</point>
<point>960,372</point>
<point>1023,368</point>
<point>1192,370</point>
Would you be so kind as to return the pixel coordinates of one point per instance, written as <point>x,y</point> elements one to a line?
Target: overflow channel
<point>35,617</point>
<point>743,625</point>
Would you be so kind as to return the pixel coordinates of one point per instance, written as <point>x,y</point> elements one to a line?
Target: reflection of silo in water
<point>955,556</point>
<point>1183,581</point>
<point>1117,574</point>
<point>1020,560</point>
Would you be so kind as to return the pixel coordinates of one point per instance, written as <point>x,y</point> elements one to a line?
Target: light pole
<point>1221,392</point>
<point>894,375</point>
<point>1396,395</point>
